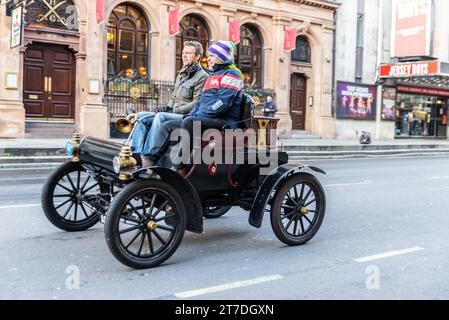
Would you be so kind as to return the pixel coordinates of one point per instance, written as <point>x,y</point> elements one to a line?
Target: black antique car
<point>146,211</point>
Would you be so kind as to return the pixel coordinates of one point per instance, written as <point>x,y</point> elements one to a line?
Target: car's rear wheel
<point>65,198</point>
<point>298,209</point>
<point>145,224</point>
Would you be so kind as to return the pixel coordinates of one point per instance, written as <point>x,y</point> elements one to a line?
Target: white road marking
<point>21,206</point>
<point>388,255</point>
<point>228,286</point>
<point>348,184</point>
<point>439,178</point>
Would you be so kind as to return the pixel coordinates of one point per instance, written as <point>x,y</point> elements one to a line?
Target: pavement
<point>385,236</point>
<point>49,153</point>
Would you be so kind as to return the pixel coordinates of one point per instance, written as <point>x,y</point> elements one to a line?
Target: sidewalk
<point>35,153</point>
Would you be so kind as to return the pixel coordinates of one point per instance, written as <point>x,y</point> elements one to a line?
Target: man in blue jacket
<point>219,104</point>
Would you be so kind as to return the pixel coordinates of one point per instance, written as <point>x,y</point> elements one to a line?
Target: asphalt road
<point>385,236</point>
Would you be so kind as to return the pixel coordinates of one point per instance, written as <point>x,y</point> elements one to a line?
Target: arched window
<point>127,40</point>
<point>302,52</point>
<point>248,55</point>
<point>193,28</point>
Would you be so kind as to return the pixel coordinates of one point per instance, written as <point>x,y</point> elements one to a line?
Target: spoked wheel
<point>298,209</point>
<point>215,212</point>
<point>145,224</point>
<point>65,198</point>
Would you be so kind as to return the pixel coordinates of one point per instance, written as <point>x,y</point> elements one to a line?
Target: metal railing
<point>143,94</point>
<point>140,94</point>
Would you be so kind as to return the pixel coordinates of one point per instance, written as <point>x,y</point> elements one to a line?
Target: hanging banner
<point>234,31</point>
<point>290,39</point>
<point>101,11</point>
<point>16,26</point>
<point>412,27</point>
<point>173,21</point>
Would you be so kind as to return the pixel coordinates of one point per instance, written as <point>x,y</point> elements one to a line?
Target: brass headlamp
<point>124,161</point>
<point>76,142</point>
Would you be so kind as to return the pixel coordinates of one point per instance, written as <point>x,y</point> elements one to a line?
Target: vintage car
<point>146,211</point>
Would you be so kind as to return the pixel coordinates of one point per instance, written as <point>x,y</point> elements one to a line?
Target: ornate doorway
<point>49,82</point>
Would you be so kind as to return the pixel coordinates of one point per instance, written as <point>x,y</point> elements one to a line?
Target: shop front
<point>415,97</point>
<point>420,116</point>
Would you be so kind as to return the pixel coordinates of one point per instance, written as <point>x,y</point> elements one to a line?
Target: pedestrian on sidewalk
<point>270,108</point>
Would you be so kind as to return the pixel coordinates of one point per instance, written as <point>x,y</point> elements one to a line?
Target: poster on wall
<point>16,26</point>
<point>411,28</point>
<point>389,104</point>
<point>356,101</point>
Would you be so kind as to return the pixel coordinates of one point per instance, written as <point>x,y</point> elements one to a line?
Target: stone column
<point>268,68</point>
<point>281,76</point>
<point>226,13</point>
<point>94,116</point>
<point>12,112</point>
<point>326,123</point>
<point>163,47</point>
<point>378,111</point>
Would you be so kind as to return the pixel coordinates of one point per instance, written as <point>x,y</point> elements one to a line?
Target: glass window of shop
<point>420,116</point>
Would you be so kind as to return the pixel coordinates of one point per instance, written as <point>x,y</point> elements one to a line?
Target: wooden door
<point>298,101</point>
<point>49,82</point>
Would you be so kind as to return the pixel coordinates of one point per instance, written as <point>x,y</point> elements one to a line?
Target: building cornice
<point>324,4</point>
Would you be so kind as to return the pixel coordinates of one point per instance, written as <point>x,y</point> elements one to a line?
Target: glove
<point>166,109</point>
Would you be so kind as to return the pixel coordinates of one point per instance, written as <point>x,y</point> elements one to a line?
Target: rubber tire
<point>48,205</point>
<point>217,213</point>
<point>113,216</point>
<point>276,221</point>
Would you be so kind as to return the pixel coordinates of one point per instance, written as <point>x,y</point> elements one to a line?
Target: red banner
<point>417,69</point>
<point>234,31</point>
<point>173,21</point>
<point>100,11</point>
<point>290,39</point>
<point>412,26</point>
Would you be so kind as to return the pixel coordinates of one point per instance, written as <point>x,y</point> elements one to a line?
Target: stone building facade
<point>418,101</point>
<point>61,71</point>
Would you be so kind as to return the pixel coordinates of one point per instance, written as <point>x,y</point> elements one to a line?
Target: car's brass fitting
<point>76,142</point>
<point>126,161</point>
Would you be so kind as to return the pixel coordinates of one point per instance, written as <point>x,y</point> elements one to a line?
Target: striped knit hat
<point>223,50</point>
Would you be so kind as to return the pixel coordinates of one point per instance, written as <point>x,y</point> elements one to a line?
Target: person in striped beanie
<point>223,51</point>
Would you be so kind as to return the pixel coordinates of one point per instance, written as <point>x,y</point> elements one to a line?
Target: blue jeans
<point>155,131</point>
<point>161,143</point>
<point>141,131</point>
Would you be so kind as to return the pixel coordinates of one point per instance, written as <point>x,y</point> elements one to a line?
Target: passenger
<point>219,104</point>
<point>188,86</point>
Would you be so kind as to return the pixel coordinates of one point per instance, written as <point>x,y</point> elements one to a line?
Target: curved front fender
<point>269,185</point>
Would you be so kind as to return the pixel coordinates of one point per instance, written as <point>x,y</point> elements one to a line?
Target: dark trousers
<point>162,142</point>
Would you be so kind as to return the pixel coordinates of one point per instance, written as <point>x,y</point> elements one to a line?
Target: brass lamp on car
<point>73,147</point>
<point>124,161</point>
